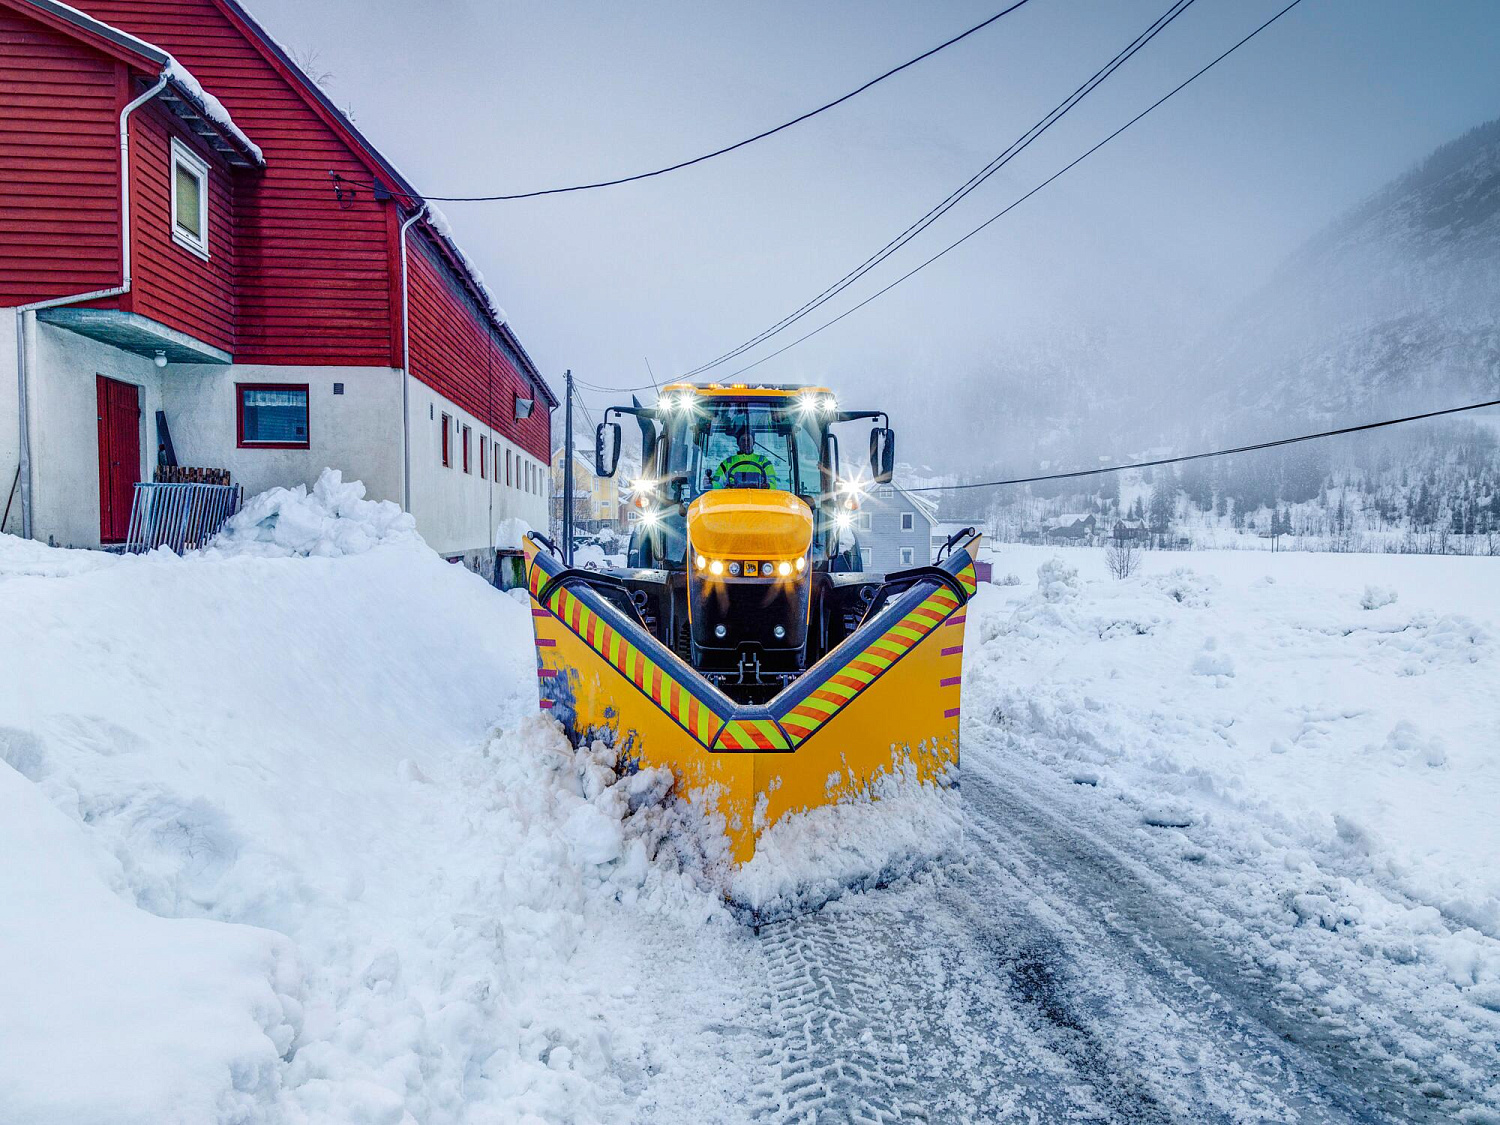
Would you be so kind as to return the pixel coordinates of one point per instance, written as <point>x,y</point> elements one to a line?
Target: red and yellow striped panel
<point>967,579</point>
<point>751,734</point>
<point>859,671</point>
<point>649,678</point>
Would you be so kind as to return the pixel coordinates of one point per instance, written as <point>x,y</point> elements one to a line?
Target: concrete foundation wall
<point>357,432</point>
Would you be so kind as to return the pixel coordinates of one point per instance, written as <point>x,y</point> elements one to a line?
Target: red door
<point>119,456</point>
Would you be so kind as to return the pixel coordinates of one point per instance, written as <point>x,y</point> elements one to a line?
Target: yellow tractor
<point>744,646</point>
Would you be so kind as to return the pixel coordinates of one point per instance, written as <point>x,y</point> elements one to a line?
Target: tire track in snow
<point>1042,980</point>
<point>1167,929</point>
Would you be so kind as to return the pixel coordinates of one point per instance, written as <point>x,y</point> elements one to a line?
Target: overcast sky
<point>1184,214</point>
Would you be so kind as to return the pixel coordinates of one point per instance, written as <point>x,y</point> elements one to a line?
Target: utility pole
<point>567,518</point>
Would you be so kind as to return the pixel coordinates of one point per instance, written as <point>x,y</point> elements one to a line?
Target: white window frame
<point>864,521</point>
<point>908,521</point>
<point>187,158</point>
<point>908,556</point>
<point>866,557</point>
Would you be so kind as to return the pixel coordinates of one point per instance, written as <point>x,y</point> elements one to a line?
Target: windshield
<point>727,444</point>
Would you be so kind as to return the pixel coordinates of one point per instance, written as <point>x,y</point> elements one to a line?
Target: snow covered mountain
<point>1392,306</point>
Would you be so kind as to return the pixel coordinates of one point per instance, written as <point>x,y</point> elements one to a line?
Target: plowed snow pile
<point>283,839</point>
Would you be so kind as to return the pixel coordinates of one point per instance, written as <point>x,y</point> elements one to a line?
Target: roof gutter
<point>406,364</point>
<point>26,314</point>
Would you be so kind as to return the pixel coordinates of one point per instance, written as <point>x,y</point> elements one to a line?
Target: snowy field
<point>283,839</point>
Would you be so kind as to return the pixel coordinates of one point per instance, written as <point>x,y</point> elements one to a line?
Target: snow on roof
<point>1067,519</point>
<point>176,74</point>
<point>927,506</point>
<point>211,107</point>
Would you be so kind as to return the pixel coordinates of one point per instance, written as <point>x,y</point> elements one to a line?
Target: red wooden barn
<point>207,260</point>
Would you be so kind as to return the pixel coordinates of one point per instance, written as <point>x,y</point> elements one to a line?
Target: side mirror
<point>882,454</point>
<point>606,448</point>
<point>830,459</point>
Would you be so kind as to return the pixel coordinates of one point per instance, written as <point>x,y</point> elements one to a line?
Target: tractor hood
<point>749,523</point>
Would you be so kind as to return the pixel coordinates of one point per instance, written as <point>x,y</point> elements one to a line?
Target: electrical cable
<point>1212,453</point>
<point>1022,199</point>
<point>1009,153</point>
<point>737,144</point>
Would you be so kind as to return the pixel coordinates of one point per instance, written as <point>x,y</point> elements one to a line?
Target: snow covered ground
<point>283,839</point>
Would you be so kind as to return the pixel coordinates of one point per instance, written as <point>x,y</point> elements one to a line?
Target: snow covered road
<point>1051,978</point>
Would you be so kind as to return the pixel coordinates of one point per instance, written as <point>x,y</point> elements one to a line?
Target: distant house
<point>596,500</point>
<point>894,528</point>
<point>1075,527</point>
<point>1131,529</point>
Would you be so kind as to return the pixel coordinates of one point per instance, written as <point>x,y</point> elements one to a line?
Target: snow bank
<point>333,520</point>
<point>283,839</point>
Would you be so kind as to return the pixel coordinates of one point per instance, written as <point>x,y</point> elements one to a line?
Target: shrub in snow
<point>1057,581</point>
<point>334,519</point>
<point>1377,596</point>
<point>1184,586</point>
<point>1123,558</point>
<point>1008,580</point>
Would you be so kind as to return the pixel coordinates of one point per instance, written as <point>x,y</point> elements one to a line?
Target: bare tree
<point>1123,557</point>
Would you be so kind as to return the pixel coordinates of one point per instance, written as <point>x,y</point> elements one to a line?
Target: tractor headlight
<point>649,516</point>
<point>784,569</point>
<point>734,570</point>
<point>842,520</point>
<point>767,568</point>
<point>801,565</point>
<point>716,568</point>
<point>700,562</point>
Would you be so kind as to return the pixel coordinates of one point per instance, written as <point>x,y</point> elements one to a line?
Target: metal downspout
<point>26,314</point>
<point>406,367</point>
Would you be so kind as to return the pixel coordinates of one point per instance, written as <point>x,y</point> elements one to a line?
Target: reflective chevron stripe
<point>752,734</point>
<point>650,679</point>
<point>843,684</point>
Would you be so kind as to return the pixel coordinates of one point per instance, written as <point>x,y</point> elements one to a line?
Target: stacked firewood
<point>190,474</point>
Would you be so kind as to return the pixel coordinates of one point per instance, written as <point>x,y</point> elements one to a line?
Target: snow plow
<point>744,646</point>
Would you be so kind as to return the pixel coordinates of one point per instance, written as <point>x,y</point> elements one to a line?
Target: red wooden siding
<point>458,355</point>
<point>59,163</point>
<point>315,278</point>
<point>171,283</point>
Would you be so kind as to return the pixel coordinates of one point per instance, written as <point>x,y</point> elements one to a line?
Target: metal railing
<point>180,517</point>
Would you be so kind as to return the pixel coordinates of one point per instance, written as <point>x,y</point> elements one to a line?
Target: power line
<point>1213,453</point>
<point>737,144</point>
<point>1009,153</point>
<point>1017,202</point>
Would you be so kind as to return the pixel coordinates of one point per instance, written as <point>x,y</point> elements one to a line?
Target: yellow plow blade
<point>886,696</point>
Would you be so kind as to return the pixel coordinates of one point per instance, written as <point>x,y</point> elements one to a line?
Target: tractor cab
<point>743,556</point>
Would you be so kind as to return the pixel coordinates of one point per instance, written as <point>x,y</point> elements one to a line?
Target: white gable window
<point>189,199</point>
<point>908,521</point>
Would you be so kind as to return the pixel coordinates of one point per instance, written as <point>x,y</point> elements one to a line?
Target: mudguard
<point>887,696</point>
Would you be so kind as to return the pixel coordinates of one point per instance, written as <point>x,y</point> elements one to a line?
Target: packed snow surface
<point>283,839</point>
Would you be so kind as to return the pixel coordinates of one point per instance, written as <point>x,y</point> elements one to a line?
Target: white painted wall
<point>64,401</point>
<point>458,511</point>
<point>358,432</point>
<point>10,422</point>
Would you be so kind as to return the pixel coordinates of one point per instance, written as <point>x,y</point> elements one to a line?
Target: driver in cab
<point>744,468</point>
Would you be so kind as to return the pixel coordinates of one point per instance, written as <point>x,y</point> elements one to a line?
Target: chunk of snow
<point>1375,597</point>
<point>332,521</point>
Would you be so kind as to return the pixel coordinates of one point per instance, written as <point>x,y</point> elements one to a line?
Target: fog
<point>1083,295</point>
